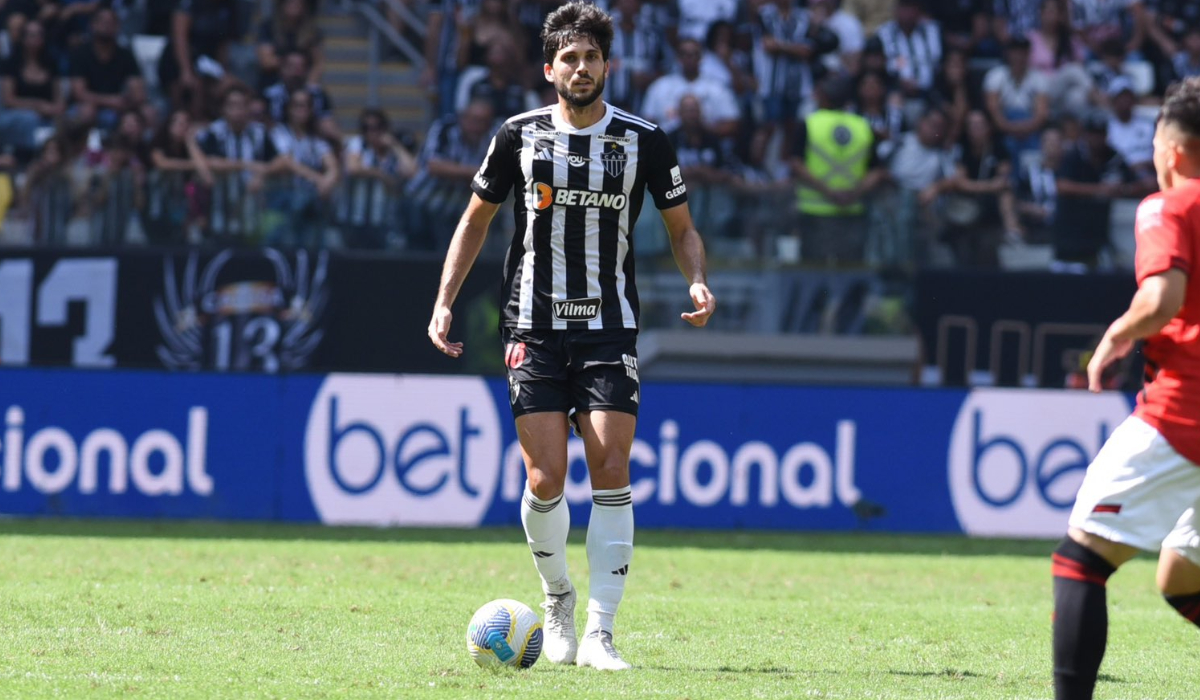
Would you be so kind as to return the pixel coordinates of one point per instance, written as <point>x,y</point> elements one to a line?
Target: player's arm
<point>490,188</point>
<point>464,248</point>
<point>689,256</point>
<point>665,182</point>
<point>1156,302</point>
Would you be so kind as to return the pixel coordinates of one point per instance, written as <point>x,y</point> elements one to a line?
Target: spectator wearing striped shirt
<point>1098,21</point>
<point>913,46</point>
<point>293,75</point>
<point>310,171</point>
<point>377,165</point>
<point>1168,22</point>
<point>636,59</point>
<point>882,110</point>
<point>448,22</point>
<point>454,149</point>
<point>787,58</point>
<point>1015,18</point>
<point>236,152</point>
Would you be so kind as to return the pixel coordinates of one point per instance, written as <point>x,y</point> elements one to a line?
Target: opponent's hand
<point>1107,352</point>
<point>705,303</point>
<point>439,326</point>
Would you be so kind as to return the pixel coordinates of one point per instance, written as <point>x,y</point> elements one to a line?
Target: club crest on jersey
<point>614,159</point>
<point>576,309</point>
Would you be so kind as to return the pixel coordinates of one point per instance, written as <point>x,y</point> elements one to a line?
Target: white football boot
<point>597,651</point>
<point>559,628</point>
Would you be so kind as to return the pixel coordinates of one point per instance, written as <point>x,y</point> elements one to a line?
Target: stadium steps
<point>347,77</point>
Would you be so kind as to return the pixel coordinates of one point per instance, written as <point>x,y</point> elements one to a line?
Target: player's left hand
<point>439,327</point>
<point>1107,352</point>
<point>705,303</point>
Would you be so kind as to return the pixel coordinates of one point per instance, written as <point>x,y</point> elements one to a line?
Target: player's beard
<point>577,100</point>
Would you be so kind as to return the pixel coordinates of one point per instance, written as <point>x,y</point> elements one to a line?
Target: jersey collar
<point>564,126</point>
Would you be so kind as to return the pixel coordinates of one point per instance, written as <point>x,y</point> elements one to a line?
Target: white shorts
<point>1139,491</point>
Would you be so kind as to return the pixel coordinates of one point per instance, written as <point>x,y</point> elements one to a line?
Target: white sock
<point>609,550</point>
<point>546,526</point>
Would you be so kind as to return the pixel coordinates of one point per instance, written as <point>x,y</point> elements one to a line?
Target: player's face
<point>578,72</point>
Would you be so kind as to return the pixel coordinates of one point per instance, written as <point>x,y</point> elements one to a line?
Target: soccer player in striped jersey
<point>579,170</point>
<point>1142,492</point>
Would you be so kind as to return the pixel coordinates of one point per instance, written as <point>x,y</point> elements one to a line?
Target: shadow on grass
<point>951,673</point>
<point>806,542</point>
<point>944,673</point>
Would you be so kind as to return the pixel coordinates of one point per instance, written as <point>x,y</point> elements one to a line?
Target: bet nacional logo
<point>402,450</point>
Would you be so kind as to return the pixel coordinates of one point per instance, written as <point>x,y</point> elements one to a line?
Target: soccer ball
<point>505,633</point>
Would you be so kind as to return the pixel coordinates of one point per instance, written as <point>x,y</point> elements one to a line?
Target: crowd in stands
<point>842,132</point>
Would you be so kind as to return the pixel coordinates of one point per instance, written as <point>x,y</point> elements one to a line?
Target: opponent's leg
<point>1131,499</point>
<point>608,438</point>
<point>1082,564</point>
<point>543,438</point>
<point>1179,567</point>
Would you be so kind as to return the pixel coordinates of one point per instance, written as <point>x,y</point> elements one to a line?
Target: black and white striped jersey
<point>577,195</point>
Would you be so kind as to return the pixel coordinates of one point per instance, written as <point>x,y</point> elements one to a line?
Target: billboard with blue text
<point>421,450</point>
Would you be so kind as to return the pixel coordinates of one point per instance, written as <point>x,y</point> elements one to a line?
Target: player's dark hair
<point>576,20</point>
<point>1181,108</point>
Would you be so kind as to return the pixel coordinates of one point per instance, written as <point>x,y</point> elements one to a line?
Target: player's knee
<point>1177,576</point>
<point>545,485</point>
<point>1115,554</point>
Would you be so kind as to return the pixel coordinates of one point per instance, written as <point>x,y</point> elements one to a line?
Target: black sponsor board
<point>254,310</point>
<point>1038,329</point>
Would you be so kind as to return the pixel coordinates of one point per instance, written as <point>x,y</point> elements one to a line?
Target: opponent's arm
<point>464,248</point>
<point>1156,302</point>
<point>689,256</point>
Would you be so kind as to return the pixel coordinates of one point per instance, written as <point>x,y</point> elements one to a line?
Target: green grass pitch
<point>97,609</point>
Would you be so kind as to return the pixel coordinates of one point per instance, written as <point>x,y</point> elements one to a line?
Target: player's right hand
<point>439,327</point>
<point>1107,352</point>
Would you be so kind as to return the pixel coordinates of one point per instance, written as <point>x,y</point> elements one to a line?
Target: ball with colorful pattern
<point>505,633</point>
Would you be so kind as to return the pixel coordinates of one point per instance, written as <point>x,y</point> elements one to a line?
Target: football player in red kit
<point>1142,492</point>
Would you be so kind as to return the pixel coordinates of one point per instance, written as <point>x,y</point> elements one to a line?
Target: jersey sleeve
<point>1164,238</point>
<point>663,178</point>
<point>495,176</point>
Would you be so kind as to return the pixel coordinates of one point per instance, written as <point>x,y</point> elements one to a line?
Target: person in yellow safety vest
<point>835,162</point>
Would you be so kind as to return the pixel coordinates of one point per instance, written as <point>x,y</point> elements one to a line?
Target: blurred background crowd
<point>881,133</point>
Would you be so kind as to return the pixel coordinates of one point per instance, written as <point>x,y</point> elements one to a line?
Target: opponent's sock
<point>1187,605</point>
<point>609,550</point>
<point>1080,619</point>
<point>546,526</point>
